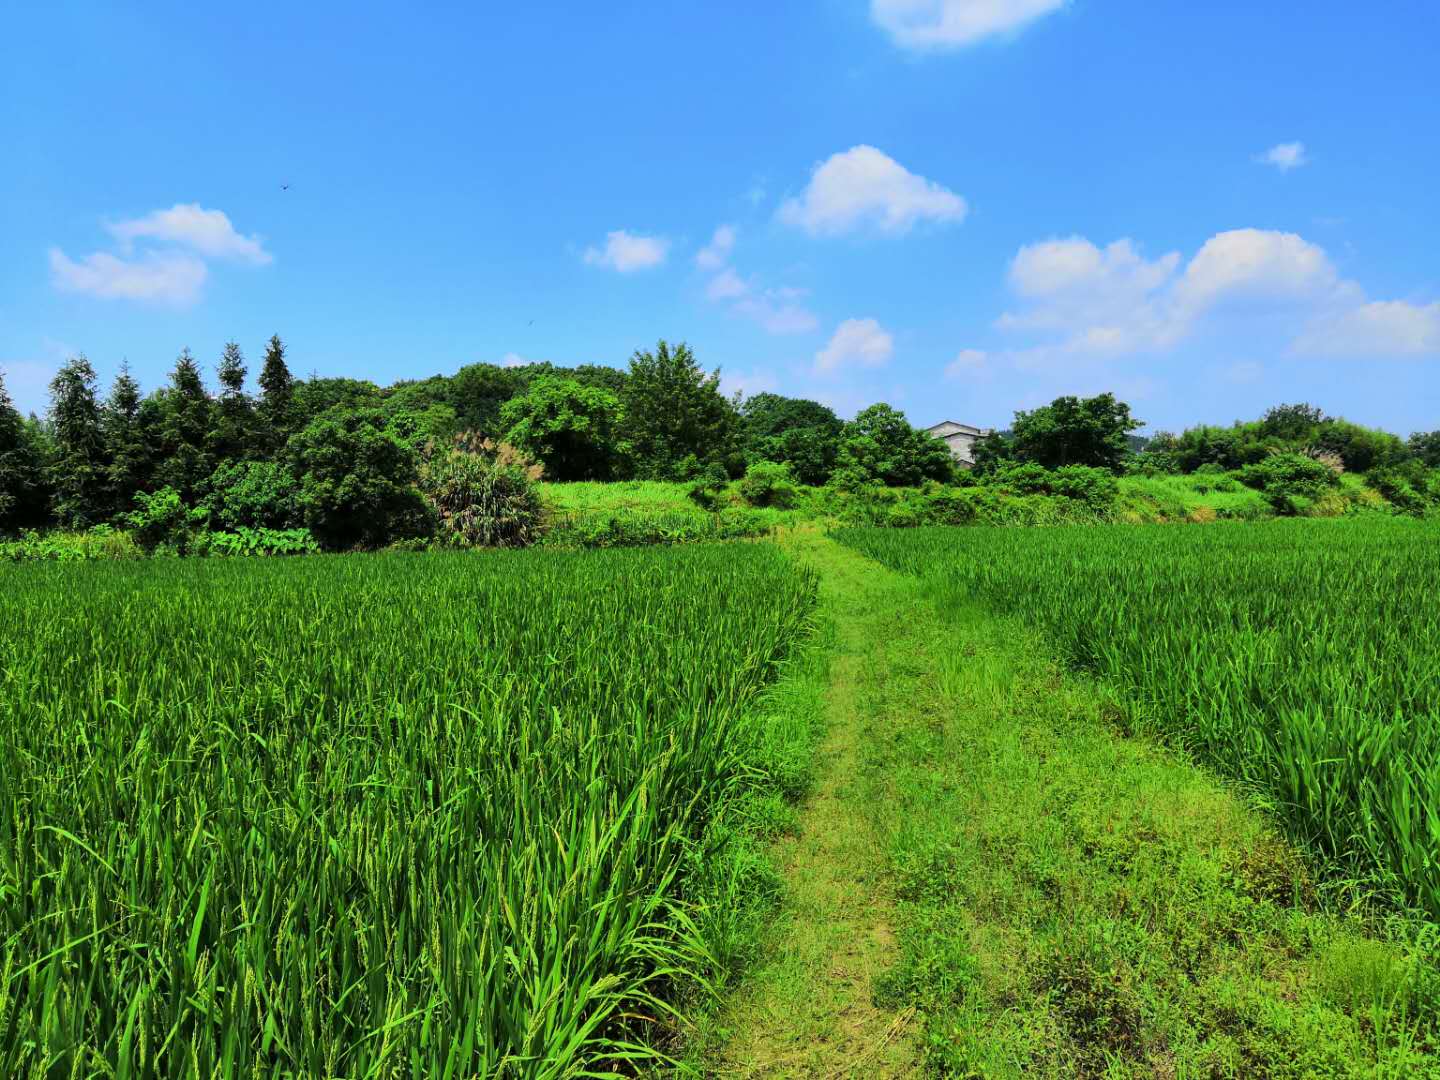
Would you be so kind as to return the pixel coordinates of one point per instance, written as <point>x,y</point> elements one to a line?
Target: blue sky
<point>962,207</point>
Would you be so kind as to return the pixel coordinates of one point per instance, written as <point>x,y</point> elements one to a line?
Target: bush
<point>98,542</point>
<point>481,494</point>
<point>1410,488</point>
<point>161,520</point>
<point>769,483</point>
<point>252,495</point>
<point>1095,487</point>
<point>1292,482</point>
<point>708,489</point>
<point>357,481</point>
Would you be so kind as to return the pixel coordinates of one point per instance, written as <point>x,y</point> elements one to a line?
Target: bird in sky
<point>284,187</point>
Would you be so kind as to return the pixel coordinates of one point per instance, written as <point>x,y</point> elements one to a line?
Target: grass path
<point>809,1009</point>
<point>991,879</point>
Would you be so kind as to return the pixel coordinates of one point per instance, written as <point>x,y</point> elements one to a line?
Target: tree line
<point>347,458</point>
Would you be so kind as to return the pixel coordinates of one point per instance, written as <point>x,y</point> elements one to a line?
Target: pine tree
<point>277,393</point>
<point>78,470</point>
<point>24,495</point>
<point>130,460</point>
<point>232,437</point>
<point>186,429</point>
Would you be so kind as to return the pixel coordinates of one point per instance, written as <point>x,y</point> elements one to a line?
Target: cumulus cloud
<point>953,24</point>
<point>778,311</point>
<point>161,257</point>
<point>161,277</point>
<point>1113,301</point>
<point>863,186</point>
<point>189,225</point>
<point>1286,156</point>
<point>627,252</point>
<point>717,253</point>
<point>856,343</point>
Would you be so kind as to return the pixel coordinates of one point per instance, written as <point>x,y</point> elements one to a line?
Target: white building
<point>961,439</point>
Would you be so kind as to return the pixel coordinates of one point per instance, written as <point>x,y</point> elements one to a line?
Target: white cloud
<point>717,252</point>
<point>1377,328</point>
<point>858,342</point>
<point>171,266</point>
<point>189,225</point>
<point>1112,301</point>
<point>514,359</point>
<point>951,24</point>
<point>627,252</point>
<point>1286,156</point>
<point>162,277</point>
<point>863,185</point>
<point>1256,264</point>
<point>968,363</point>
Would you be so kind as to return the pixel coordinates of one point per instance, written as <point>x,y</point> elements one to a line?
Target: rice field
<point>1301,658</point>
<point>421,815</point>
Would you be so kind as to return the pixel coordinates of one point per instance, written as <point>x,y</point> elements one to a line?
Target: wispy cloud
<point>955,24</point>
<point>1286,156</point>
<point>716,253</point>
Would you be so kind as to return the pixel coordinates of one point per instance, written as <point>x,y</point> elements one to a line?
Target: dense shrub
<point>99,542</point>
<point>769,483</point>
<point>482,494</point>
<point>1411,488</point>
<point>1095,487</point>
<point>252,495</point>
<point>161,520</point>
<point>357,481</point>
<point>1290,481</point>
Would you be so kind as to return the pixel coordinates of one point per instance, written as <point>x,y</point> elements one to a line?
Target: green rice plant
<point>1299,657</point>
<point>369,815</point>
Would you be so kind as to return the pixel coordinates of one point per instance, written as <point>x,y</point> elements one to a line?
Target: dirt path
<point>810,1008</point>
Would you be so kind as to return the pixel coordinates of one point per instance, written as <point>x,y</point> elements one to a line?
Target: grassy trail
<point>991,879</point>
<point>809,1009</point>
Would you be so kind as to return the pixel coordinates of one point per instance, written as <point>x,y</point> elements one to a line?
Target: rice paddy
<point>424,815</point>
<point>1301,658</point>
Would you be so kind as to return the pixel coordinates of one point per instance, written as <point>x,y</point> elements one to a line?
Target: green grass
<point>1299,657</point>
<point>422,815</point>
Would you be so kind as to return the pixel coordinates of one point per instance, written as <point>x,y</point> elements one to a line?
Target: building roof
<point>954,427</point>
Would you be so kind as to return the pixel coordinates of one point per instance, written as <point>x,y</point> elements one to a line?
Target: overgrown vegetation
<point>443,815</point>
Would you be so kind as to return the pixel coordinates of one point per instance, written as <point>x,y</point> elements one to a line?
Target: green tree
<point>24,494</point>
<point>77,470</point>
<point>252,494</point>
<point>130,461</point>
<point>233,436</point>
<point>477,391</point>
<point>1425,445</point>
<point>673,409</point>
<point>1075,431</point>
<point>315,396</point>
<point>793,431</point>
<point>357,481</point>
<point>879,446</point>
<point>186,461</point>
<point>570,428</point>
<point>277,393</point>
<point>1292,423</point>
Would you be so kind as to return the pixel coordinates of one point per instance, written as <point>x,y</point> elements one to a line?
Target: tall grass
<point>1302,657</point>
<point>367,815</point>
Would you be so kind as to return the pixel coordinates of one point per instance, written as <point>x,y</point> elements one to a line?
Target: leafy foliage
<point>673,409</point>
<point>879,446</point>
<point>570,428</point>
<point>802,434</point>
<point>357,481</point>
<point>1074,431</point>
<point>769,483</point>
